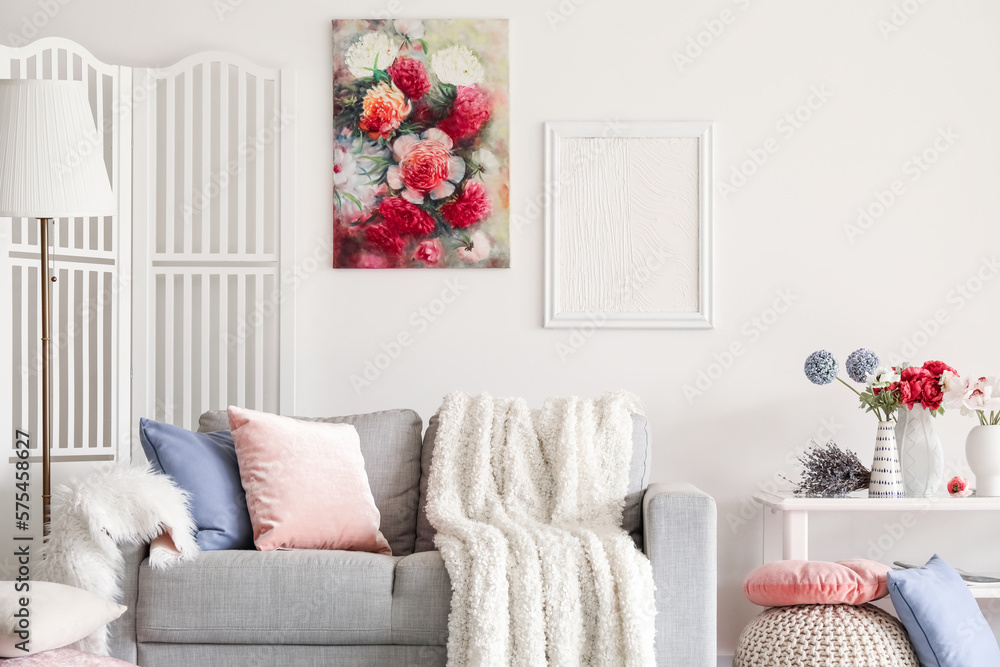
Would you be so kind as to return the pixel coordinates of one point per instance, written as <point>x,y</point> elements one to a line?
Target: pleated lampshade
<point>51,159</point>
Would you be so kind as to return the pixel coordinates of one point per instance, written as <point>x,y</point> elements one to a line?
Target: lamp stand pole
<point>46,378</point>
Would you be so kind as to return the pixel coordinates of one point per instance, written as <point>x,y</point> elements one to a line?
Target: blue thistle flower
<point>861,363</point>
<point>822,367</point>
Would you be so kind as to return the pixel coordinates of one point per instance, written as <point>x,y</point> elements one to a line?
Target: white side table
<point>786,520</point>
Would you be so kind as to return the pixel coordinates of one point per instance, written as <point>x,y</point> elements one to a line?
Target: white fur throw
<point>126,505</point>
<point>528,510</point>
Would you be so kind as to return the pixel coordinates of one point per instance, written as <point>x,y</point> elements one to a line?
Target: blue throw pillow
<point>941,616</point>
<point>204,465</point>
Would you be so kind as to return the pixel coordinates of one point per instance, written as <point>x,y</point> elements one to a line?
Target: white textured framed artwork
<point>628,228</point>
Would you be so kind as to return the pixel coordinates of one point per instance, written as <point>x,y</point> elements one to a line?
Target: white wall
<point>780,233</point>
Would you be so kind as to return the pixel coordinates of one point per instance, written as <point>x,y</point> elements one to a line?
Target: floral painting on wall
<point>421,167</point>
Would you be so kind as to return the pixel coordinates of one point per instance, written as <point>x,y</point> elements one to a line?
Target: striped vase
<point>887,480</point>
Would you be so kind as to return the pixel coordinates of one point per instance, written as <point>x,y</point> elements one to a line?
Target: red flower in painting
<point>385,239</point>
<point>404,217</point>
<point>385,108</point>
<point>410,76</point>
<point>469,208</point>
<point>470,112</point>
<point>429,252</point>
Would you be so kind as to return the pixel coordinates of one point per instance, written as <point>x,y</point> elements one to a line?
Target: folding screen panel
<point>91,261</point>
<point>212,323</point>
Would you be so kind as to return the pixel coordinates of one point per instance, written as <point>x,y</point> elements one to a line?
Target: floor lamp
<point>51,166</point>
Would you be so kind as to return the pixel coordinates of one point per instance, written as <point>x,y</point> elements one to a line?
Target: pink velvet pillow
<point>306,484</point>
<point>788,582</point>
<point>64,657</point>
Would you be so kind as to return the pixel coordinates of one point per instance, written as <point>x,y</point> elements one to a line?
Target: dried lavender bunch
<point>829,471</point>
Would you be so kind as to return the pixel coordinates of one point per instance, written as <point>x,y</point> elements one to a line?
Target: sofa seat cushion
<point>421,600</point>
<point>277,597</point>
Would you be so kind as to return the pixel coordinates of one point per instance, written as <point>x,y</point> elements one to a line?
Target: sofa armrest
<point>679,531</point>
<point>121,632</point>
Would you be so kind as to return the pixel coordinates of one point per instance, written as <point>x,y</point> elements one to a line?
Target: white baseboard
<point>725,661</point>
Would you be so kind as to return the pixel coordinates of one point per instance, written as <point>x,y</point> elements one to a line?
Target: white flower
<point>373,50</point>
<point>488,163</point>
<point>354,180</point>
<point>458,66</point>
<point>409,28</point>
<point>882,376</point>
<point>477,250</point>
<point>980,394</point>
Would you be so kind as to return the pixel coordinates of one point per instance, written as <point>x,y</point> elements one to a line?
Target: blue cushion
<point>941,616</point>
<point>204,465</point>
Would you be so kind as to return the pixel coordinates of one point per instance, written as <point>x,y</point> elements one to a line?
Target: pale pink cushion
<point>306,484</point>
<point>789,582</point>
<point>64,657</point>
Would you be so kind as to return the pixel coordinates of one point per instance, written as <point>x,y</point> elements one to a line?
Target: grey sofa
<point>245,608</point>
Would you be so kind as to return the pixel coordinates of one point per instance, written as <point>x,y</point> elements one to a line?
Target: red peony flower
<point>404,217</point>
<point>937,368</point>
<point>471,206</point>
<point>914,373</point>
<point>410,76</point>
<point>385,108</point>
<point>385,239</point>
<point>469,112</point>
<point>931,394</point>
<point>429,251</point>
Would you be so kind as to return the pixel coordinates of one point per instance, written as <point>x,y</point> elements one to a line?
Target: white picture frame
<point>580,163</point>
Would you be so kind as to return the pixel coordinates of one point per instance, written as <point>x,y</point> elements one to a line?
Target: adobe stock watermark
<point>787,126</point>
<point>913,169</point>
<point>31,25</point>
<point>712,29</point>
<point>750,508</point>
<point>419,321</point>
<point>219,182</point>
<point>750,332</point>
<point>533,209</point>
<point>899,16</point>
<point>650,267</point>
<point>291,280</point>
<point>957,298</point>
<point>563,11</point>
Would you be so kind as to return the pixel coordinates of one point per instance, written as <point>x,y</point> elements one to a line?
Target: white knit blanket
<point>91,517</point>
<point>528,510</point>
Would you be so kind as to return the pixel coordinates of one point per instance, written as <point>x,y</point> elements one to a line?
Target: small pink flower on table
<point>425,166</point>
<point>959,487</point>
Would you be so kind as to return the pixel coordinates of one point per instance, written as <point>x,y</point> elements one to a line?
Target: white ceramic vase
<point>982,450</point>
<point>921,456</point>
<point>887,480</point>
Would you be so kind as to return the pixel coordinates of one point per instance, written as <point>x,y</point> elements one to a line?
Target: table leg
<point>773,535</point>
<point>795,542</point>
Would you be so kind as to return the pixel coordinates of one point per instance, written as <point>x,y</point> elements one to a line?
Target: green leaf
<point>354,199</point>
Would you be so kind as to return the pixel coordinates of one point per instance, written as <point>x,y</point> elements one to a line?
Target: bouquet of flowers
<point>887,388</point>
<point>413,171</point>
<point>979,396</point>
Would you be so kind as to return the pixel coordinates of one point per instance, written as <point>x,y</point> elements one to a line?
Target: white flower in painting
<point>409,28</point>
<point>477,249</point>
<point>373,50</point>
<point>488,163</point>
<point>355,181</point>
<point>458,66</point>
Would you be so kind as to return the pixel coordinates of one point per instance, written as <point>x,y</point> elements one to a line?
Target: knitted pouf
<point>825,635</point>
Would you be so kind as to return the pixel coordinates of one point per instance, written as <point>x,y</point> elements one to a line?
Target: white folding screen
<point>176,305</point>
<point>91,260</point>
<point>213,210</point>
